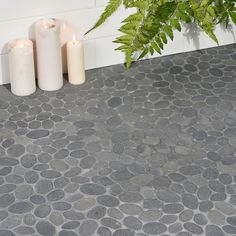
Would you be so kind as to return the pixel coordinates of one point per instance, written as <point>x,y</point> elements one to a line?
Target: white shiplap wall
<point>18,16</point>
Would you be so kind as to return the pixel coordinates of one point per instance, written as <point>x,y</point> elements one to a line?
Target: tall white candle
<point>21,66</point>
<point>75,61</point>
<point>49,61</point>
<point>67,32</point>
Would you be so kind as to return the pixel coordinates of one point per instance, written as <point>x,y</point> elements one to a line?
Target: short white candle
<point>49,61</point>
<point>75,62</point>
<point>21,66</point>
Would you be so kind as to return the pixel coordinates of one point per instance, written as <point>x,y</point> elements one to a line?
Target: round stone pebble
<point>168,219</point>
<point>193,228</point>
<point>186,215</point>
<point>150,215</point>
<point>97,212</point>
<point>42,211</point>
<point>6,232</point>
<point>132,223</point>
<point>6,200</point>
<point>84,204</point>
<point>175,228</point>
<point>55,195</point>
<point>92,189</point>
<point>200,219</point>
<point>16,150</point>
<point>174,208</point>
<point>73,215</point>
<point>11,221</point>
<point>154,228</point>
<point>61,206</point>
<point>45,228</point>
<point>229,229</point>
<point>43,186</point>
<point>130,197</point>
<point>103,231</point>
<point>110,223</point>
<point>115,213</point>
<point>130,209</point>
<point>205,206</point>
<point>67,233</point>
<point>108,201</point>
<point>37,199</point>
<point>3,215</point>
<point>24,230</point>
<point>168,196</point>
<point>122,232</point>
<point>190,201</point>
<point>88,227</point>
<point>214,230</point>
<point>23,192</point>
<point>29,219</point>
<point>20,207</point>
<point>56,218</point>
<point>71,225</point>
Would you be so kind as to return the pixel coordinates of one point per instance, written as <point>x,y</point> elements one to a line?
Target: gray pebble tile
<point>154,228</point>
<point>229,229</point>
<point>42,211</point>
<point>144,151</point>
<point>193,228</point>
<point>88,227</point>
<point>45,228</point>
<point>6,232</point>
<point>29,219</point>
<point>56,218</point>
<point>103,231</point>
<point>132,223</point>
<point>110,223</point>
<point>214,230</point>
<point>67,233</point>
<point>61,206</point>
<point>20,207</point>
<point>71,225</point>
<point>24,230</point>
<point>97,212</point>
<point>123,232</point>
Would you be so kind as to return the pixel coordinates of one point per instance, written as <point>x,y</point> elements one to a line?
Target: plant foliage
<point>154,22</point>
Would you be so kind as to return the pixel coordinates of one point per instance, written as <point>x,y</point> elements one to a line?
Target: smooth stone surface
<point>88,227</point>
<point>20,207</point>
<point>45,228</point>
<point>213,230</point>
<point>154,228</point>
<point>138,152</point>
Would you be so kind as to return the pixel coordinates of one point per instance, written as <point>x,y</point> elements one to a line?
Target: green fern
<point>154,22</point>
<point>112,6</point>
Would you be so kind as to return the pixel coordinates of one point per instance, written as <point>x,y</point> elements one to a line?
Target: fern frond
<point>112,6</point>
<point>148,29</point>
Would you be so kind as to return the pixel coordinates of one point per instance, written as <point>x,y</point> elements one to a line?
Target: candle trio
<point>49,60</point>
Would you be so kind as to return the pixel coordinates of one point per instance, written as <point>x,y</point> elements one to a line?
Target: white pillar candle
<point>75,61</point>
<point>67,32</point>
<point>49,61</point>
<point>21,67</point>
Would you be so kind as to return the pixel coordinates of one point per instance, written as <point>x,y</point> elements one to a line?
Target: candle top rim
<point>20,43</point>
<point>49,23</point>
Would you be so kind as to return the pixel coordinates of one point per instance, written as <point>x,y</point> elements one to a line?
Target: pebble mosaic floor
<point>145,151</point>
